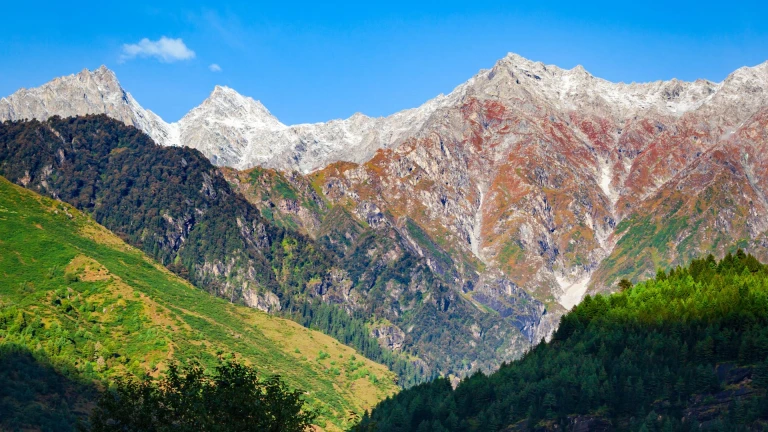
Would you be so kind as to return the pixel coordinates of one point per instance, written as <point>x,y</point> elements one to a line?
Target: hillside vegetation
<point>78,306</point>
<point>174,205</point>
<point>368,287</point>
<point>394,277</point>
<point>683,351</point>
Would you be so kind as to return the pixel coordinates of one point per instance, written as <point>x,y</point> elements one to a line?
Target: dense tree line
<point>34,393</point>
<point>233,398</point>
<point>641,359</point>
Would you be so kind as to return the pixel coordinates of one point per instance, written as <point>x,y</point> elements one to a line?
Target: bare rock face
<point>389,336</point>
<point>87,92</point>
<point>265,301</point>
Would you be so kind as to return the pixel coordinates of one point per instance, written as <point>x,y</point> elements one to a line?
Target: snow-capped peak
<point>226,105</point>
<point>577,89</point>
<point>236,130</point>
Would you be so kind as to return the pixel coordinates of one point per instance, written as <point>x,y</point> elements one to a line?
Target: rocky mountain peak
<point>227,105</point>
<point>520,62</point>
<point>102,73</point>
<point>576,89</point>
<point>87,92</point>
<point>579,70</point>
<point>749,79</point>
<point>238,131</point>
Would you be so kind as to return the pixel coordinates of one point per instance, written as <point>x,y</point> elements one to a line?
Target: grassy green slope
<point>73,292</point>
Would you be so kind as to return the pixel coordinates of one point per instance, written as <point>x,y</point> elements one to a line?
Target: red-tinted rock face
<point>532,172</point>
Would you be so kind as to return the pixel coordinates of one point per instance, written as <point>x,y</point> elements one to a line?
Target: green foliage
<point>233,398</point>
<point>78,298</point>
<point>424,240</point>
<point>624,285</point>
<point>651,348</point>
<point>352,331</point>
<point>285,190</point>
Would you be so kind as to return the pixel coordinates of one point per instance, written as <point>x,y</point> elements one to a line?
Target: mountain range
<point>229,128</point>
<point>523,189</point>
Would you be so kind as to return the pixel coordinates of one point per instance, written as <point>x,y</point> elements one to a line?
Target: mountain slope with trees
<point>687,350</point>
<point>505,201</point>
<point>78,306</point>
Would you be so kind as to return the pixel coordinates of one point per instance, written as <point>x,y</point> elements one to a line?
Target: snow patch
<point>606,176</point>
<point>573,290</point>
<point>477,228</point>
<point>174,135</point>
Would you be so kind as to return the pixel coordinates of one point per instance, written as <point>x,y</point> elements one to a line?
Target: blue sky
<point>316,61</point>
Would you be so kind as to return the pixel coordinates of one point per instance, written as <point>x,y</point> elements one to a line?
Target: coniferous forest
<point>687,350</point>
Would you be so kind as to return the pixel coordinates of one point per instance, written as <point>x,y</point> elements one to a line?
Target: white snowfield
<point>238,131</point>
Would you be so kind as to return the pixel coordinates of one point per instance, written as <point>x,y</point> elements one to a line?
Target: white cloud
<point>165,49</point>
<point>214,68</point>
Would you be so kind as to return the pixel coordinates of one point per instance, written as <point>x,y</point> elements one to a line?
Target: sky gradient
<point>310,62</point>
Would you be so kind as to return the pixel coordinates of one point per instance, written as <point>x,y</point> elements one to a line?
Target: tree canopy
<point>231,399</point>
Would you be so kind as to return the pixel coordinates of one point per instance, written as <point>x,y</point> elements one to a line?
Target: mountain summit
<point>229,128</point>
<point>87,92</point>
<point>237,131</point>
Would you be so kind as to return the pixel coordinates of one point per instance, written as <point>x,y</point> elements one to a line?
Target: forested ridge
<point>687,350</point>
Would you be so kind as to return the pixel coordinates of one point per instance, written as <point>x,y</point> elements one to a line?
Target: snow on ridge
<point>578,89</point>
<point>238,131</point>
